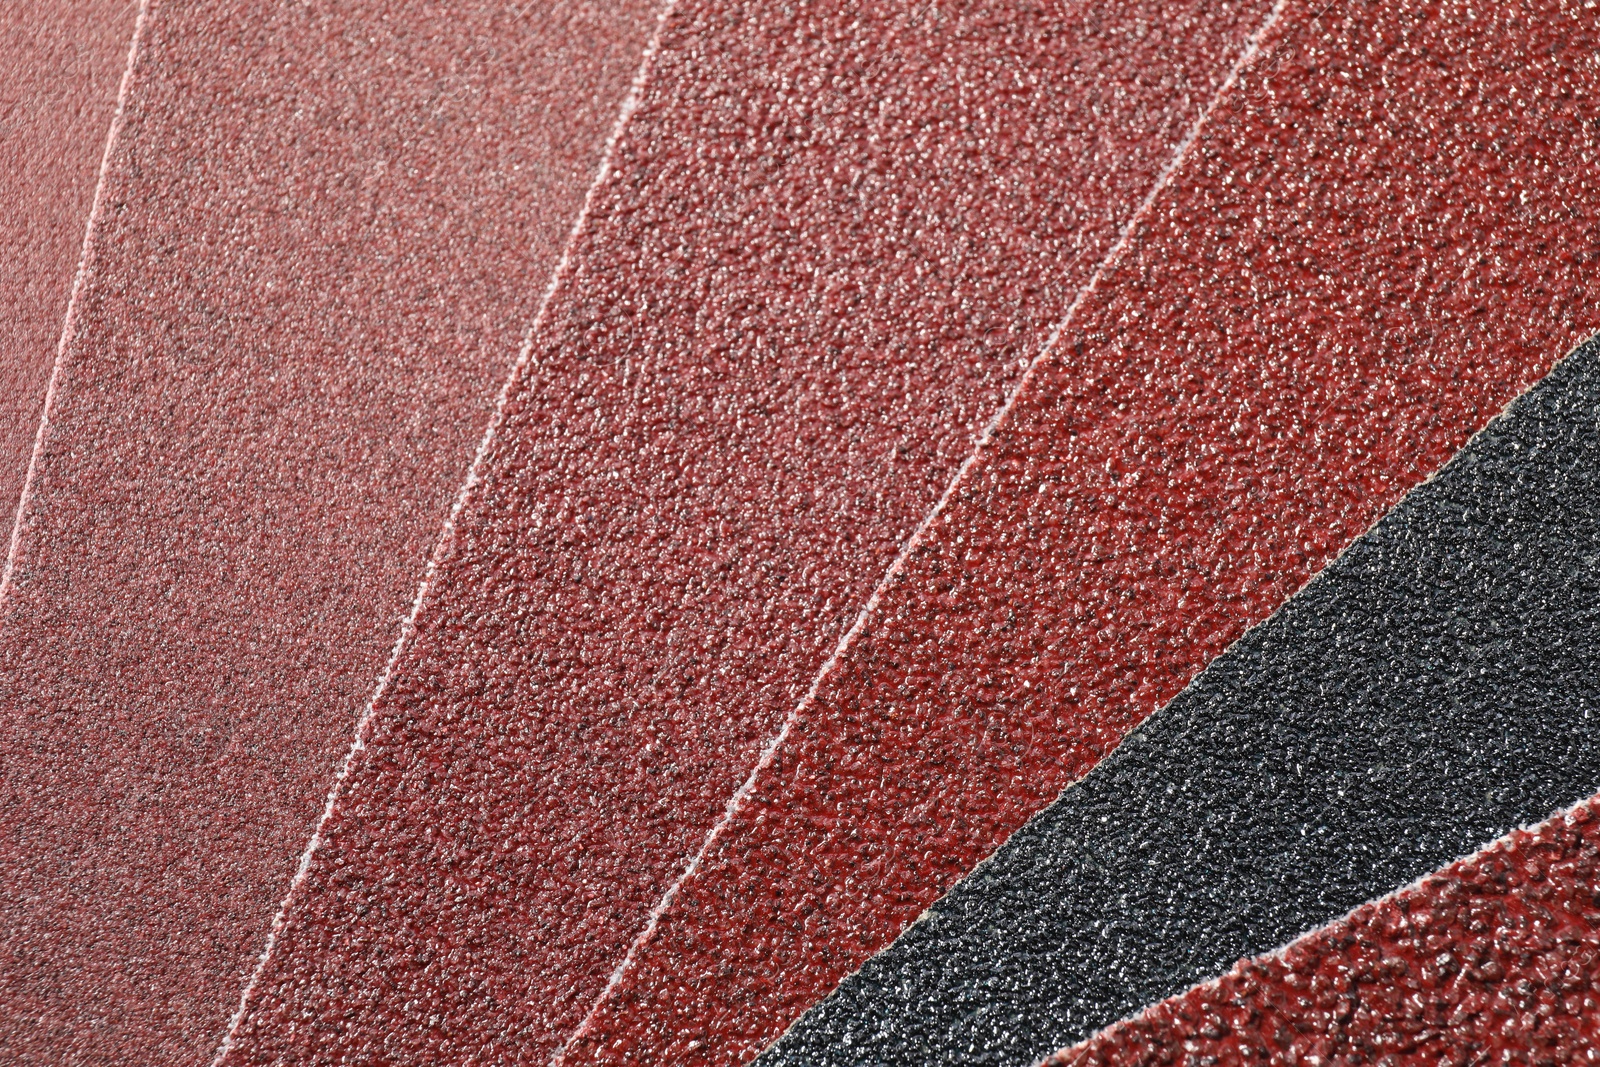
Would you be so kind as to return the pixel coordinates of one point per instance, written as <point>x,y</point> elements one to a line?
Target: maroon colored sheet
<point>325,233</point>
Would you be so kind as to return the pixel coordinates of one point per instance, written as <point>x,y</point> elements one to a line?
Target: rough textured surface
<point>833,234</point>
<point>1493,960</point>
<point>60,64</point>
<point>1434,687</point>
<point>325,231</point>
<point>1326,303</point>
<point>833,237</point>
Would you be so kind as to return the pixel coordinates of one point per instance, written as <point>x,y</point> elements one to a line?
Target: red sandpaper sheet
<point>1384,234</point>
<point>1494,959</point>
<point>61,63</point>
<point>833,237</point>
<point>325,233</point>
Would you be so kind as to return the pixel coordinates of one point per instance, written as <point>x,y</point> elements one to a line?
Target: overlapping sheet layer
<point>1316,313</point>
<point>325,230</point>
<point>911,399</point>
<point>1435,687</point>
<point>1494,959</point>
<point>831,241</point>
<point>60,62</point>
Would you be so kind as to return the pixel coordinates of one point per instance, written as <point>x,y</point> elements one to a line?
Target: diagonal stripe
<point>1281,355</point>
<point>322,237</point>
<point>446,542</point>
<point>1435,686</point>
<point>1495,959</point>
<point>912,543</point>
<point>805,295</point>
<point>69,322</point>
<point>60,62</point>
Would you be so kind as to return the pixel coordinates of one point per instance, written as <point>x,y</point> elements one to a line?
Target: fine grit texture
<point>1436,686</point>
<point>324,231</point>
<point>60,66</point>
<point>1316,312</point>
<point>1493,960</point>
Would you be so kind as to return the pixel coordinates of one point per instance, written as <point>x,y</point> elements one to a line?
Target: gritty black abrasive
<point>1430,690</point>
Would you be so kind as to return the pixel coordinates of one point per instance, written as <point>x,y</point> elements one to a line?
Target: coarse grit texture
<point>909,399</point>
<point>827,245</point>
<point>1434,687</point>
<point>1494,960</point>
<point>1313,316</point>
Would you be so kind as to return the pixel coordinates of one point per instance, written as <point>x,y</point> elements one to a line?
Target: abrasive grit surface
<point>830,245</point>
<point>831,237</point>
<point>61,62</point>
<point>325,231</point>
<point>1433,688</point>
<point>1382,235</point>
<point>1495,959</point>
